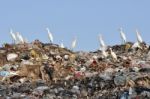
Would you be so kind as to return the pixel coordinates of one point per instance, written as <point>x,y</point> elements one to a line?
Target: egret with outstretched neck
<point>139,38</point>
<point>50,36</point>
<point>74,42</point>
<point>102,43</point>
<point>19,37</point>
<point>123,36</point>
<point>13,36</point>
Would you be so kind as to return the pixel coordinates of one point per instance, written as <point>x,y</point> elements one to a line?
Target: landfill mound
<point>46,71</point>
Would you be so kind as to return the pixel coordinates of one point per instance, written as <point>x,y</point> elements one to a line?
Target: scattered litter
<point>48,71</point>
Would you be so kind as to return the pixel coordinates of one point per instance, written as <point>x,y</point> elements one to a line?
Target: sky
<point>66,19</point>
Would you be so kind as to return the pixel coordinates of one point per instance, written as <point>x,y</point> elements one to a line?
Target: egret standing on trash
<point>19,37</point>
<point>102,43</point>
<point>123,36</point>
<point>114,56</point>
<point>50,36</point>
<point>74,42</point>
<point>139,38</point>
<point>13,36</point>
<point>104,53</point>
<point>102,46</point>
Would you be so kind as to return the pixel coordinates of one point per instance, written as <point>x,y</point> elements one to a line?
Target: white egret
<point>123,36</point>
<point>139,38</point>
<point>114,56</point>
<point>19,37</point>
<point>13,36</point>
<point>102,43</point>
<point>50,36</point>
<point>74,42</point>
<point>104,54</point>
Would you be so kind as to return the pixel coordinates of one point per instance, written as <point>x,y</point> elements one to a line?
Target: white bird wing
<point>139,37</point>
<point>50,36</point>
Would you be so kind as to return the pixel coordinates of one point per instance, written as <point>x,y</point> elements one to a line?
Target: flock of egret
<point>103,46</point>
<point>18,38</point>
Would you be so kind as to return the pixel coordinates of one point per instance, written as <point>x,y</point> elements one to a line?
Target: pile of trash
<point>46,71</point>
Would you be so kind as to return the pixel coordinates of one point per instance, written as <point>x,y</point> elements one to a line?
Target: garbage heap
<point>47,71</point>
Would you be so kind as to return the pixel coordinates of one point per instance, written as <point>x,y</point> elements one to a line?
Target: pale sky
<point>66,19</point>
